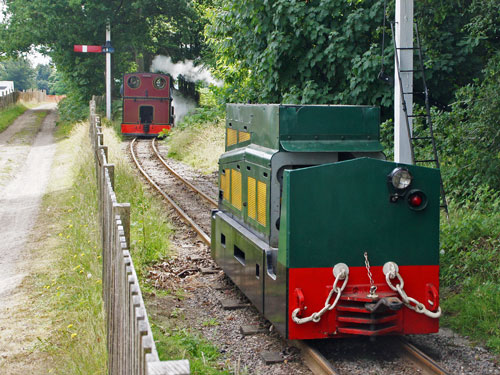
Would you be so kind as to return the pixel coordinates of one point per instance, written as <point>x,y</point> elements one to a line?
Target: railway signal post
<point>108,50</point>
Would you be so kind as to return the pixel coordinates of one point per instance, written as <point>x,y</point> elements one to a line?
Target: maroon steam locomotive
<point>147,104</point>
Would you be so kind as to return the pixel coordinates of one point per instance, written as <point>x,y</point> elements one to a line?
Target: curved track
<point>189,211</point>
<point>183,206</point>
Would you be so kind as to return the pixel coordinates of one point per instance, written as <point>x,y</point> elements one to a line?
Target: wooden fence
<point>9,99</point>
<point>27,96</point>
<point>131,348</point>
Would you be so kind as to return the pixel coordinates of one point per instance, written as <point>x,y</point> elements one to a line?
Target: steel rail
<point>314,360</point>
<point>421,359</point>
<point>191,186</point>
<point>204,237</point>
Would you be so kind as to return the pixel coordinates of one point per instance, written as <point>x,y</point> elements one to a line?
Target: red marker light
<point>416,200</point>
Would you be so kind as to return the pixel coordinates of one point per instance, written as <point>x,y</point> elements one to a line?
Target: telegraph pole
<point>404,40</point>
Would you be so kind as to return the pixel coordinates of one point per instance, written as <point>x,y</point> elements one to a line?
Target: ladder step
<point>410,70</point>
<point>426,161</point>
<point>421,137</point>
<point>414,92</point>
<point>417,115</point>
<point>407,48</point>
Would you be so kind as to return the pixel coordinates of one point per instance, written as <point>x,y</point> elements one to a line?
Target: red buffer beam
<point>84,48</point>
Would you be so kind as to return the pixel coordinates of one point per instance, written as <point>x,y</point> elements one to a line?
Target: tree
<point>43,73</point>
<point>140,29</point>
<point>56,84</point>
<point>328,51</point>
<point>20,71</point>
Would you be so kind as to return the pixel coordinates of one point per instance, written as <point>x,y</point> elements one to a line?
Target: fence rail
<point>131,348</point>
<point>28,96</point>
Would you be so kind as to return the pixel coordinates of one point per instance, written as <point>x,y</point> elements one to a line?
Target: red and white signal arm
<point>85,48</point>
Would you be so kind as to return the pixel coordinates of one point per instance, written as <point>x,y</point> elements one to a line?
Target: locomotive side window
<point>159,83</point>
<point>133,82</point>
<point>146,114</point>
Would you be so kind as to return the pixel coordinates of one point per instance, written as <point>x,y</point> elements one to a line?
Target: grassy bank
<point>199,139</point>
<point>9,115</point>
<point>470,272</point>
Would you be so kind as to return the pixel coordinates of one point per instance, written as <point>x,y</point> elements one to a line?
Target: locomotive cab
<point>147,104</point>
<point>308,204</point>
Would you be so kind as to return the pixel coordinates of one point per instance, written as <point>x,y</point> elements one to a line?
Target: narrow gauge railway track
<point>406,359</point>
<point>164,182</point>
<point>197,216</point>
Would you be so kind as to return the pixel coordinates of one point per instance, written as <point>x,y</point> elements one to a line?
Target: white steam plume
<point>186,68</point>
<point>182,105</point>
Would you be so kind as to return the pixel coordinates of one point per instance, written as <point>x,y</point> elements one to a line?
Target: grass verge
<point>66,288</point>
<point>9,115</point>
<point>149,236</point>
<point>175,343</point>
<point>199,140</point>
<point>470,270</point>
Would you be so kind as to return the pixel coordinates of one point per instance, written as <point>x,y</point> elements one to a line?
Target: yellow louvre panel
<point>232,137</point>
<point>252,207</point>
<point>243,136</point>
<point>227,178</point>
<point>261,202</point>
<point>236,189</point>
<point>224,186</point>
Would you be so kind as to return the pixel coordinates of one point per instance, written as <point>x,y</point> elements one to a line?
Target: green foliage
<point>56,83</point>
<point>470,243</point>
<point>9,115</point>
<point>329,51</point>
<point>199,139</point>
<point>299,52</point>
<point>71,109</point>
<point>140,29</point>
<point>43,73</point>
<point>470,268</point>
<point>20,71</point>
<point>469,137</point>
<point>181,343</point>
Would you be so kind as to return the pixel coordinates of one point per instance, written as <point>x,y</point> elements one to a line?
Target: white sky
<point>36,58</point>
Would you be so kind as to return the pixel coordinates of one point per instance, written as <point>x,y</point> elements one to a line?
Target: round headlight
<point>400,178</point>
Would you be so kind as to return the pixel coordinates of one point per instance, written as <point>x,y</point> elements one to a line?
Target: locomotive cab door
<point>146,114</point>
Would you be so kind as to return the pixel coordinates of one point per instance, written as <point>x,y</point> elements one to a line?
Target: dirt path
<point>25,167</point>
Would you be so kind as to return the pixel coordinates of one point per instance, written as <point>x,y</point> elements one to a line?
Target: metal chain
<point>409,302</point>
<point>316,317</point>
<point>373,288</point>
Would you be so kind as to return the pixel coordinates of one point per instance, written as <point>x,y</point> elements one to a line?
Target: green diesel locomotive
<point>323,235</point>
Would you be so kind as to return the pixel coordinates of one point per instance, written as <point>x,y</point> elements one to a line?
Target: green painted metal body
<point>275,129</point>
<point>297,128</point>
<point>325,201</point>
<point>336,212</point>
